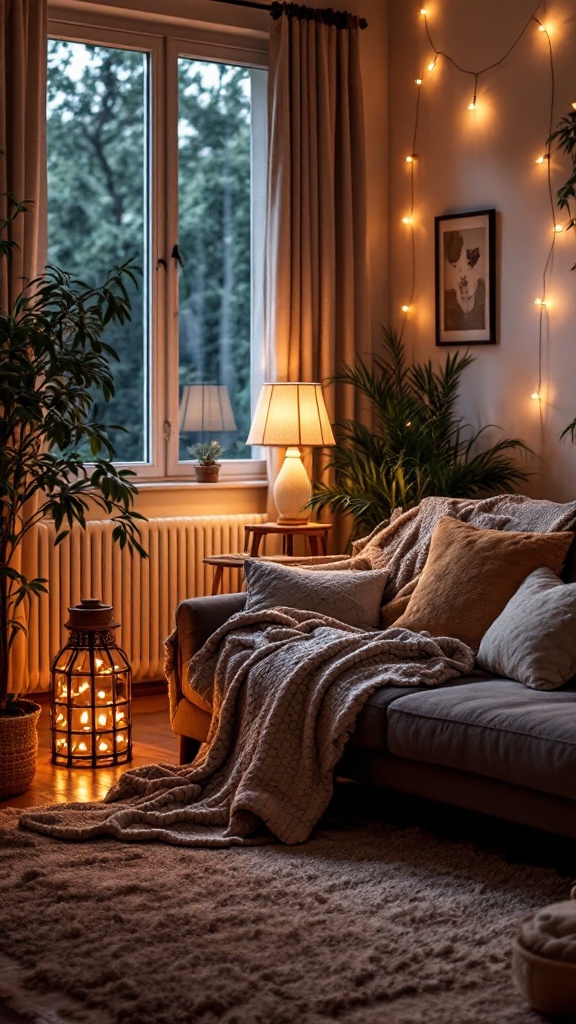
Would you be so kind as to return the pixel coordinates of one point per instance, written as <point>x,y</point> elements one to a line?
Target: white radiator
<point>143,592</point>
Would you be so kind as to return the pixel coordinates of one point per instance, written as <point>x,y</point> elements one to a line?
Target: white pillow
<point>351,597</point>
<point>533,640</point>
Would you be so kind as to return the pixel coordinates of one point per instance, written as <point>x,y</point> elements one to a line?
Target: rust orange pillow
<point>471,574</point>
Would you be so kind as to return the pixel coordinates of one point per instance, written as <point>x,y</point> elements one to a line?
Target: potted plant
<point>206,467</point>
<point>55,459</point>
<point>417,445</point>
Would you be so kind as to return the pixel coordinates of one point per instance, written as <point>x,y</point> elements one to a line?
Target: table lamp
<point>206,408</point>
<point>288,416</point>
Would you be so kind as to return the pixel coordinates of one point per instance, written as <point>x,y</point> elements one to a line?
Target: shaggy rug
<point>369,921</point>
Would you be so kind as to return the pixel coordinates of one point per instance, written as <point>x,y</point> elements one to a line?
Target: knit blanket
<point>286,687</point>
<point>401,545</point>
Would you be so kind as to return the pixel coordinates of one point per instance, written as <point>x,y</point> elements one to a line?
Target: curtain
<point>23,55</point>
<point>316,293</point>
<point>23,33</point>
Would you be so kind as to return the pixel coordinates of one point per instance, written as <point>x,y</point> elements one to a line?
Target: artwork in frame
<point>466,278</point>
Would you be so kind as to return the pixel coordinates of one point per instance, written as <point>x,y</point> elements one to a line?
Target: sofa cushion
<point>497,728</point>
<point>533,639</point>
<point>370,729</point>
<point>351,597</point>
<point>470,575</point>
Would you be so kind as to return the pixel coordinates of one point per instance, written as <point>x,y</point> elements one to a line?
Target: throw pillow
<point>351,597</point>
<point>470,575</point>
<point>534,639</point>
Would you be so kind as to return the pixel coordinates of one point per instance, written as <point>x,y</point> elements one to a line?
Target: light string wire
<point>409,220</point>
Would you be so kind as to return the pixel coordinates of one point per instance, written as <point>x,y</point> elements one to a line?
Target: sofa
<point>485,741</point>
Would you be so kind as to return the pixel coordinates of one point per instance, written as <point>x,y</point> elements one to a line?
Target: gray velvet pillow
<point>533,640</point>
<point>351,597</point>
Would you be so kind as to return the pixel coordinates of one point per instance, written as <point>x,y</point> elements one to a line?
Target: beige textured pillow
<point>471,574</point>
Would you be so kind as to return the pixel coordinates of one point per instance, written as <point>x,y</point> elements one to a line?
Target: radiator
<point>143,592</point>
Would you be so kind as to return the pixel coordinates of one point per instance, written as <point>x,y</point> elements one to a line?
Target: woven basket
<point>18,746</point>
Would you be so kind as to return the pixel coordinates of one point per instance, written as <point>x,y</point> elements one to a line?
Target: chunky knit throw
<point>285,687</point>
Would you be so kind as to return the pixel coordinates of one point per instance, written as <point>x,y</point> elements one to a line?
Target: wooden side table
<point>314,533</point>
<point>223,562</point>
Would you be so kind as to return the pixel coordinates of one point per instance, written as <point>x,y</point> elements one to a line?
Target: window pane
<point>97,208</point>
<point>214,244</point>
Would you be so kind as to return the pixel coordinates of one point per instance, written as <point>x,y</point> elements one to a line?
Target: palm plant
<point>416,446</point>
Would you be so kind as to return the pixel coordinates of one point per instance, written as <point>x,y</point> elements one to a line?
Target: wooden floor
<point>152,739</point>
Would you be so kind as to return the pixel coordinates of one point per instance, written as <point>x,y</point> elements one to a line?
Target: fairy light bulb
<point>539,302</point>
<point>406,220</point>
<point>535,396</point>
<point>410,158</point>
<point>574,105</point>
<point>432,64</point>
<point>472,105</point>
<point>540,159</point>
<point>558,228</point>
<point>423,11</point>
<point>419,82</point>
<point>405,309</point>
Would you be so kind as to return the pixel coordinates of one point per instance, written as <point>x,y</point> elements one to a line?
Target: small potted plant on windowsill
<point>206,467</point>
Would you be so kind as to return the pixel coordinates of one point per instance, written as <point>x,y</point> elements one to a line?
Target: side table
<point>313,532</point>
<point>223,562</point>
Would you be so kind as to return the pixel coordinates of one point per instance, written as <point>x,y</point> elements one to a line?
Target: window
<point>152,157</point>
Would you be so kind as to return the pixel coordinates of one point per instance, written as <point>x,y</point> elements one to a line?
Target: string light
<point>543,158</point>
<point>472,105</point>
<point>535,396</point>
<point>410,158</point>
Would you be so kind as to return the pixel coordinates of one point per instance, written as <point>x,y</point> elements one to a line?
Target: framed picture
<point>466,278</point>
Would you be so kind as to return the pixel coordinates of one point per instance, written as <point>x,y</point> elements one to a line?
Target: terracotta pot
<point>18,747</point>
<point>207,474</point>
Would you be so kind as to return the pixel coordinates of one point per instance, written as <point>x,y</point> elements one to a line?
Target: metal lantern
<point>91,684</point>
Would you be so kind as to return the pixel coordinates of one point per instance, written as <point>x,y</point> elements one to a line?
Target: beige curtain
<point>316,265</point>
<point>23,35</point>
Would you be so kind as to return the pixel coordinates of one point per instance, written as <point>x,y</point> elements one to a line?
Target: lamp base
<point>292,489</point>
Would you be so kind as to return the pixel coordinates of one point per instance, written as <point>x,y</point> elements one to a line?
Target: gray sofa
<point>483,743</point>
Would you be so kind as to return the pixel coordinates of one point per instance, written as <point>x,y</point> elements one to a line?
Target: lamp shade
<point>206,408</point>
<point>291,414</point>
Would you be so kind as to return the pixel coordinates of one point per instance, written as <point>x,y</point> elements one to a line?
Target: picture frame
<point>465,272</point>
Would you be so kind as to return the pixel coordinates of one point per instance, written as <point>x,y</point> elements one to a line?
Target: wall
<point>483,159</point>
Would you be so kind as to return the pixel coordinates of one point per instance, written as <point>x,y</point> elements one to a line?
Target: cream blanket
<point>286,687</point>
<point>401,546</point>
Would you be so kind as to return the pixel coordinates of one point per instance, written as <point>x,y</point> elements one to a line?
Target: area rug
<point>368,921</point>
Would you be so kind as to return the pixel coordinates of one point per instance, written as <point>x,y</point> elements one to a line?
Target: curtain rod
<point>268,7</point>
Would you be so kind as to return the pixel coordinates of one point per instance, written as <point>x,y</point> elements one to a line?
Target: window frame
<point>164,42</point>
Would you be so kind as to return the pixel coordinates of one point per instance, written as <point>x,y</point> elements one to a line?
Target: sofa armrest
<point>196,619</point>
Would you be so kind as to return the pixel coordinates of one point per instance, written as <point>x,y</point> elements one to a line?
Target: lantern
<point>91,683</point>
